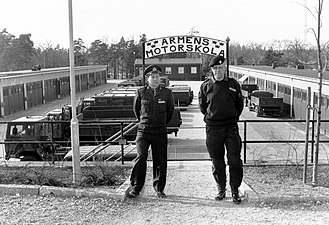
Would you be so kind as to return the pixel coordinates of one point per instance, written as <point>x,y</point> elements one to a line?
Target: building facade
<point>174,68</point>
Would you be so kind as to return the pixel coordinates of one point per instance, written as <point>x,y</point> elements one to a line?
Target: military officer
<point>221,103</point>
<point>153,107</point>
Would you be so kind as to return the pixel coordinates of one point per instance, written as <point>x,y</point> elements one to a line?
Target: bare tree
<point>45,48</point>
<point>321,65</point>
<point>256,52</point>
<point>301,52</point>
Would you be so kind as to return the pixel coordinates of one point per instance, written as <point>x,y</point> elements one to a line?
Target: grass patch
<point>92,176</point>
<point>285,174</point>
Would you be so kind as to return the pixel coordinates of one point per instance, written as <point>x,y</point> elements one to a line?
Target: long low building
<point>290,84</point>
<point>21,90</point>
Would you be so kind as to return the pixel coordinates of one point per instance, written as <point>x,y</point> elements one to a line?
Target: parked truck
<point>183,95</point>
<point>263,103</point>
<point>138,81</point>
<point>246,90</point>
<point>36,138</point>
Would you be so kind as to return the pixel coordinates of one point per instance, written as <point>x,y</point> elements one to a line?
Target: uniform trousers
<point>217,140</point>
<point>158,143</point>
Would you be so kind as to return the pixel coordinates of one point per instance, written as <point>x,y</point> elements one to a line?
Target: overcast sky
<point>243,21</point>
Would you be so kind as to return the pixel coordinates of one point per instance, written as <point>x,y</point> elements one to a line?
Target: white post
<point>74,121</point>
<point>291,100</point>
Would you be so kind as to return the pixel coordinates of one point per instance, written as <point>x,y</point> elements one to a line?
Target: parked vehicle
<point>35,138</point>
<point>128,83</point>
<point>138,81</point>
<point>246,90</point>
<point>183,95</point>
<point>263,103</point>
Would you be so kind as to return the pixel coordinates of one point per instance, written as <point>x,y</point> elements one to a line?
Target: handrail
<point>113,138</point>
<point>132,125</point>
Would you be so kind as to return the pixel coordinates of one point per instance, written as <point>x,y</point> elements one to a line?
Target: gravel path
<point>190,200</point>
<point>147,210</point>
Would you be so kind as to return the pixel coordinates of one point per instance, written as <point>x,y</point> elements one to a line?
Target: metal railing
<point>120,135</point>
<point>245,141</point>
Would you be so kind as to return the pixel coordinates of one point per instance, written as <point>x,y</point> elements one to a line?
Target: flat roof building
<point>174,68</point>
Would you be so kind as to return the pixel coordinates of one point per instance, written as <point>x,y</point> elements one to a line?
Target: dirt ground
<point>190,193</point>
<point>283,186</point>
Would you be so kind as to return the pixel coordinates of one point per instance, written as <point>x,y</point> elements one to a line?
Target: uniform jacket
<point>154,109</point>
<point>221,102</point>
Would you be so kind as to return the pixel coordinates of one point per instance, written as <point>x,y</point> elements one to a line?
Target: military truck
<point>138,81</point>
<point>48,137</point>
<point>183,95</point>
<point>246,90</point>
<point>263,103</point>
<point>21,136</point>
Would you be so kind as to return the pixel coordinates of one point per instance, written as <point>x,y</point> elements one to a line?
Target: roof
<point>29,119</point>
<point>169,61</point>
<point>292,71</point>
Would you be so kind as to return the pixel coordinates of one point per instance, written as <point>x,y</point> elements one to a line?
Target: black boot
<point>133,194</point>
<point>236,198</point>
<point>235,195</point>
<point>221,192</point>
<point>220,195</point>
<point>161,194</point>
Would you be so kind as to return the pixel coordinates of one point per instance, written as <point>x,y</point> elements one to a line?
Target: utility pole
<point>74,122</point>
<point>305,22</point>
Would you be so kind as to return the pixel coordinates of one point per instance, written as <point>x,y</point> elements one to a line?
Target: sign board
<point>122,141</point>
<point>173,44</point>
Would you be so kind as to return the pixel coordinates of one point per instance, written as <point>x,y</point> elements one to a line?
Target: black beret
<point>217,60</point>
<point>152,69</point>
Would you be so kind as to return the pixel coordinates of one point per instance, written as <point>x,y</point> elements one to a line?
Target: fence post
<point>245,142</point>
<point>313,141</point>
<point>307,127</point>
<point>122,150</point>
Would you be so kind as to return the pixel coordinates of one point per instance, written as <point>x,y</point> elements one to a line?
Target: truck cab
<point>23,138</point>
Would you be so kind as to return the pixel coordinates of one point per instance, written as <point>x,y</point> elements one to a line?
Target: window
<point>180,70</point>
<point>304,95</point>
<point>315,100</point>
<point>324,101</point>
<point>168,70</point>
<point>14,130</point>
<point>297,93</point>
<point>23,130</point>
<point>193,70</point>
<point>280,88</point>
<point>287,90</point>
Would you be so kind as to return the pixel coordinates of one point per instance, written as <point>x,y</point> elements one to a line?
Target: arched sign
<point>173,44</point>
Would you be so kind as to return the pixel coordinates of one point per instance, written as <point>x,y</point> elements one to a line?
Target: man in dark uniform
<point>221,103</point>
<point>153,107</point>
